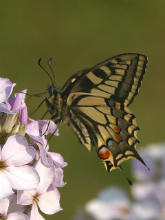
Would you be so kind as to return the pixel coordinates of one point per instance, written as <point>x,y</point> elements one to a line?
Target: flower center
<point>2,165</point>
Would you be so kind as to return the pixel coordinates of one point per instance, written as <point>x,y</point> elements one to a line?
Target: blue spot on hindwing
<point>110,142</point>
<point>110,103</point>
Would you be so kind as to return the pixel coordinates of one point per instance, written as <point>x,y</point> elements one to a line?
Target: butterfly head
<point>54,100</point>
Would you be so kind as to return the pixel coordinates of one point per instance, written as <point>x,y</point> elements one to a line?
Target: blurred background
<point>78,35</point>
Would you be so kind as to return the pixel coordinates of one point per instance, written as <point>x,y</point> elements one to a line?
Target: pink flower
<point>112,203</point>
<point>57,162</point>
<point>5,214</point>
<point>14,173</point>
<point>46,197</point>
<point>15,121</point>
<point>57,159</point>
<point>6,88</point>
<point>47,127</point>
<point>29,174</point>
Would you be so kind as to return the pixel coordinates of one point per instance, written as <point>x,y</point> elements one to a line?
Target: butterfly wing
<point>107,126</point>
<point>97,101</point>
<point>117,78</point>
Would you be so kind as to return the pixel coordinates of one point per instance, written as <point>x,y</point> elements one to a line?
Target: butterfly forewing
<point>118,78</point>
<point>95,105</point>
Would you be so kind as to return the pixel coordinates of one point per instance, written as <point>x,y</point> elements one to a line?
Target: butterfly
<point>94,103</point>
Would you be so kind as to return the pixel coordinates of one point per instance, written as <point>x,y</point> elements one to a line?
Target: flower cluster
<point>29,173</point>
<point>148,192</point>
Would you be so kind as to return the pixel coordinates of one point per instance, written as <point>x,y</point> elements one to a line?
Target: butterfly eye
<point>52,91</point>
<point>104,152</point>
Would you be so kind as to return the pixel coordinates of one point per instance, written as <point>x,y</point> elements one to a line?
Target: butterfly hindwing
<point>105,124</point>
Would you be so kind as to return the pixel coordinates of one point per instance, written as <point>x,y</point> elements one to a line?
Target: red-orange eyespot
<point>117,105</point>
<point>104,152</point>
<point>116,137</point>
<point>115,128</point>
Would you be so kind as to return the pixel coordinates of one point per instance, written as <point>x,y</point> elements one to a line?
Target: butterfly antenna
<point>39,63</point>
<point>49,64</point>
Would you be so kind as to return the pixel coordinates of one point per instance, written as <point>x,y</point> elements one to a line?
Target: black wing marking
<point>100,122</point>
<point>118,78</point>
<point>68,86</point>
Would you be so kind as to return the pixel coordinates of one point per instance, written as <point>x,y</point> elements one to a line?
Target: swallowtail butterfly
<point>94,103</point>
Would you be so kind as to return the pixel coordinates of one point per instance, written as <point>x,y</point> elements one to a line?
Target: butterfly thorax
<point>56,105</point>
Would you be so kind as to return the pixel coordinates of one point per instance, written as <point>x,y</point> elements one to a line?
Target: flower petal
<point>35,215</point>
<point>47,127</point>
<point>156,151</point>
<point>5,187</point>
<point>17,152</point>
<point>25,197</point>
<point>6,88</point>
<point>43,155</point>
<point>143,190</point>
<point>22,178</point>
<point>58,177</point>
<point>24,116</point>
<point>7,109</point>
<point>14,206</point>
<point>58,159</point>
<point>46,176</point>
<point>112,203</point>
<point>17,216</point>
<point>33,128</point>
<point>49,202</point>
<point>16,104</point>
<point>4,205</point>
<point>146,209</point>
